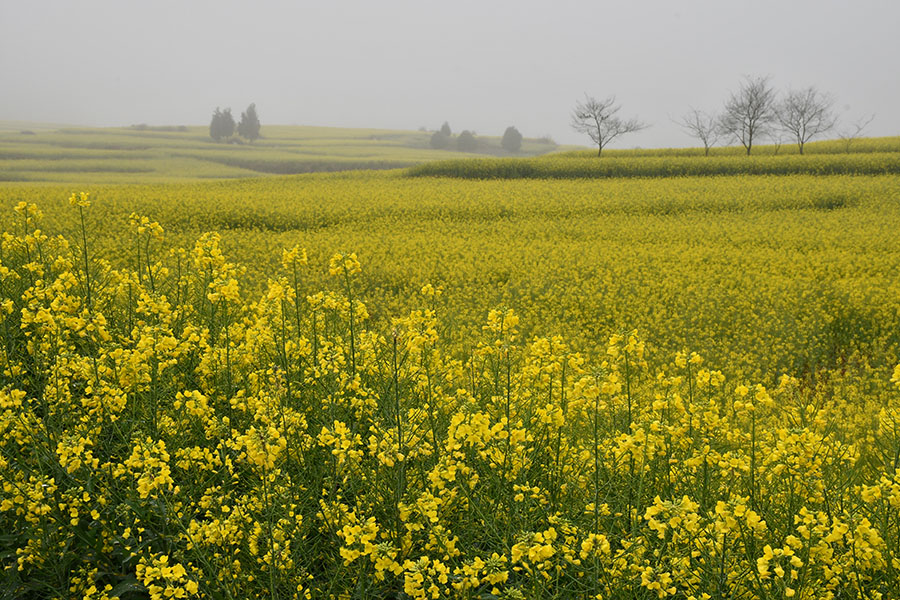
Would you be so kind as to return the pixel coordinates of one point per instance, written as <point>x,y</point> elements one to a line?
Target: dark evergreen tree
<point>445,129</point>
<point>512,140</point>
<point>249,125</point>
<point>227,123</point>
<point>222,124</point>
<point>215,125</point>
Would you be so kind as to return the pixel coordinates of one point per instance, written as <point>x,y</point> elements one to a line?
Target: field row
<point>581,166</point>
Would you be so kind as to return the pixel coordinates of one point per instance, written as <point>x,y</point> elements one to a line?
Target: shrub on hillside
<point>466,142</point>
<point>512,140</point>
<point>440,140</point>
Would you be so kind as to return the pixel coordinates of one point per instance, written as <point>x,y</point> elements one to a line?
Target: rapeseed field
<point>371,385</point>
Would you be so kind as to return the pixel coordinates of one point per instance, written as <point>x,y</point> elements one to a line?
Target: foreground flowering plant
<point>163,436</point>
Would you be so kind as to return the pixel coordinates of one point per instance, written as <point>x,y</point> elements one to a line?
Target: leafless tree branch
<point>703,126</point>
<point>805,114</point>
<point>855,131</point>
<point>750,112</point>
<point>600,121</point>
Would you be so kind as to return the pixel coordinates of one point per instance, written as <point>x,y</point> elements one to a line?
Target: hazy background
<point>403,64</point>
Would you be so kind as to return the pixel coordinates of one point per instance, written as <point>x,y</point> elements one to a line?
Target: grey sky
<point>480,65</point>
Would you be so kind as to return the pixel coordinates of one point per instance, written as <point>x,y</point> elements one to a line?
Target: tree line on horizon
<point>442,139</point>
<point>753,112</point>
<point>222,126</point>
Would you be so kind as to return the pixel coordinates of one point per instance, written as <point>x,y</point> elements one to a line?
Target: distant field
<point>867,156</point>
<point>32,152</point>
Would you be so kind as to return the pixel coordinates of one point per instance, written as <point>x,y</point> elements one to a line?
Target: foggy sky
<point>481,65</point>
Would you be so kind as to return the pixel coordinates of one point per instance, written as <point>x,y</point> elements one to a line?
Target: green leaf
<point>129,585</point>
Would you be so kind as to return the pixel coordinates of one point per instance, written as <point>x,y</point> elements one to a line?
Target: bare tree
<point>855,131</point>
<point>703,126</point>
<point>600,121</point>
<point>750,112</point>
<point>805,114</point>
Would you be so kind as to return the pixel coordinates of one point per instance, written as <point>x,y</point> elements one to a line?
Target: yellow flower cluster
<point>142,225</point>
<point>80,200</point>
<point>344,264</point>
<point>149,462</point>
<point>165,581</point>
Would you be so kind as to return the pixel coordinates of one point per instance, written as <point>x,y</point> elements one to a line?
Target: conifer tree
<point>249,125</point>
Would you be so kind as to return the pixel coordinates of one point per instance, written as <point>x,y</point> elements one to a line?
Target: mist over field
<point>403,64</point>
